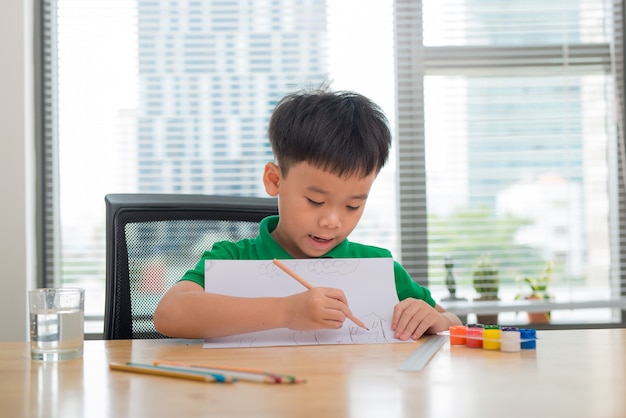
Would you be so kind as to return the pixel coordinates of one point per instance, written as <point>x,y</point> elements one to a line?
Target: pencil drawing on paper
<point>246,342</point>
<point>313,268</point>
<point>348,334</point>
<point>367,283</point>
<point>376,333</point>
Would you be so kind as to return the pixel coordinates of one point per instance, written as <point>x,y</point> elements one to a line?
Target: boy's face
<point>318,210</point>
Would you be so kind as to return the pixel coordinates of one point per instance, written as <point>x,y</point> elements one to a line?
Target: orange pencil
<point>309,286</point>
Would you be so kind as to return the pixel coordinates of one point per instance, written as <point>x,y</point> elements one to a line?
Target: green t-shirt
<point>264,247</point>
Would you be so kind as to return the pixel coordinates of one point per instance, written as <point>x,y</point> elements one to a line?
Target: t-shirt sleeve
<point>197,274</point>
<point>406,287</point>
<point>220,251</point>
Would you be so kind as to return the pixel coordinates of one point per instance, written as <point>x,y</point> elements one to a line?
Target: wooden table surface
<point>572,373</point>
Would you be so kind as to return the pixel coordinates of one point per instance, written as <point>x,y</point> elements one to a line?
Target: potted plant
<point>486,283</point>
<point>538,291</point>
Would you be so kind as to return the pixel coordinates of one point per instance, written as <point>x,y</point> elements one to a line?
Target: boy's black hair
<point>341,132</point>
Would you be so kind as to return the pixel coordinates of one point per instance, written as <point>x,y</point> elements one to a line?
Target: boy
<point>329,148</point>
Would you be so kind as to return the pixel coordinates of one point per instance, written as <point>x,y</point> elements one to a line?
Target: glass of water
<point>56,323</point>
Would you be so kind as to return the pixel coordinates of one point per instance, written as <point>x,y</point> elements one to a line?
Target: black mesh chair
<point>152,239</point>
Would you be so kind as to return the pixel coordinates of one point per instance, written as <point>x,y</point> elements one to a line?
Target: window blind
<point>48,169</point>
<point>509,126</point>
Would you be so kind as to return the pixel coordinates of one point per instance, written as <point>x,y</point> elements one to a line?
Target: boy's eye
<point>353,208</point>
<point>313,202</point>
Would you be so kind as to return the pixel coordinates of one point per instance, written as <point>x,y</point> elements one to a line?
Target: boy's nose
<point>330,220</point>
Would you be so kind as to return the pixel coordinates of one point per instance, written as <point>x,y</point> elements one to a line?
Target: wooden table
<point>573,373</point>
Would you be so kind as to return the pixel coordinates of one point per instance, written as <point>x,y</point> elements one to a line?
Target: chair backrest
<point>152,239</point>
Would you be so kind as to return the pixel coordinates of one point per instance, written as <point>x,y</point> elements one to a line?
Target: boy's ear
<point>271,178</point>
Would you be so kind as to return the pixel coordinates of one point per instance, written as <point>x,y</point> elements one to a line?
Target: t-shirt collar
<point>274,250</point>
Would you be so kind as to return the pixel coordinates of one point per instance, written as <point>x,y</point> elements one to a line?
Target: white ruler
<point>420,357</point>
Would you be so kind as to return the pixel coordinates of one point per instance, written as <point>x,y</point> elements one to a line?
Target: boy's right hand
<point>317,308</point>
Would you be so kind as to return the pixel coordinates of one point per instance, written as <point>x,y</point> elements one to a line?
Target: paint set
<point>492,337</point>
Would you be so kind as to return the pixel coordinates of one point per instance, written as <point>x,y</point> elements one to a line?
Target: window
<point>130,110</point>
<point>508,145</point>
<point>506,117</point>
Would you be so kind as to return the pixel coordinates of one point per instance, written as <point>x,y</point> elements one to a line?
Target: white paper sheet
<point>368,284</point>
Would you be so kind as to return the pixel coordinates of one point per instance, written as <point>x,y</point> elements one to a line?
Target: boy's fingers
<point>398,314</point>
<point>401,326</point>
<point>336,294</point>
<point>421,329</point>
<point>410,319</point>
<point>333,305</point>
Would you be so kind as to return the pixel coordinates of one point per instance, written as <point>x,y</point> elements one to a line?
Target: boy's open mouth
<point>319,239</point>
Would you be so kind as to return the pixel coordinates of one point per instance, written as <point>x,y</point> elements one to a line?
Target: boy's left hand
<point>412,318</point>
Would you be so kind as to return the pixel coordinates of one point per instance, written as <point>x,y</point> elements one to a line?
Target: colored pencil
<point>241,373</point>
<point>240,376</point>
<point>308,285</point>
<point>171,372</point>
